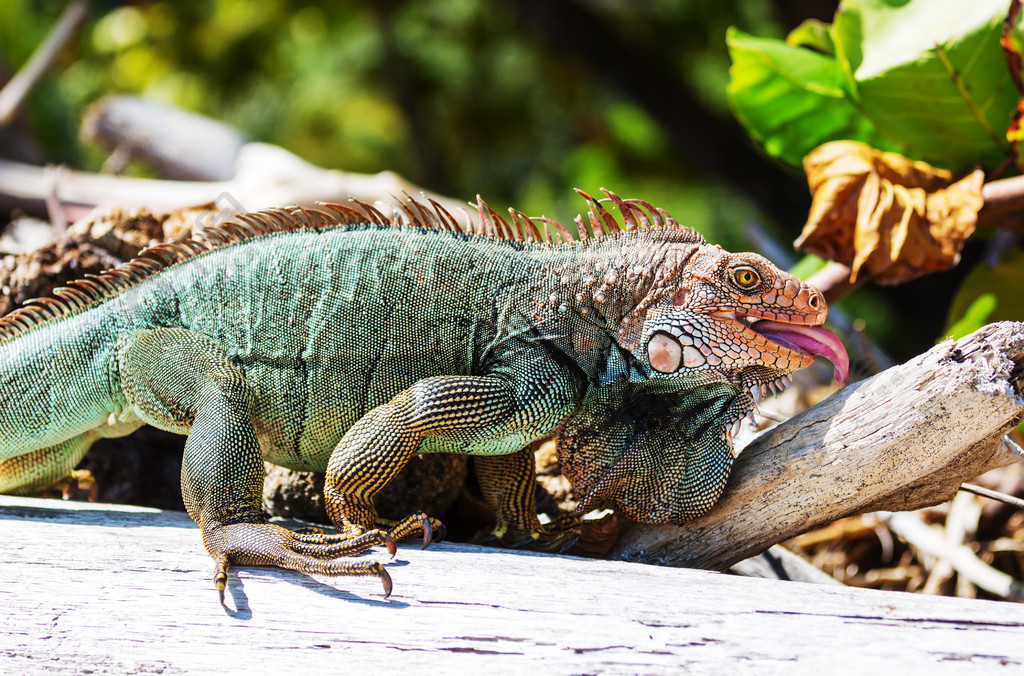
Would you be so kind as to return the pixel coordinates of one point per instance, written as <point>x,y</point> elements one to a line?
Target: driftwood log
<point>113,590</point>
<point>904,439</point>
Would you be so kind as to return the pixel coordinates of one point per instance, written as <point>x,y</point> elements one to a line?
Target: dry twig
<point>14,92</point>
<point>960,557</point>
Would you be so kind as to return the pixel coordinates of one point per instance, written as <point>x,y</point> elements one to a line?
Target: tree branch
<point>266,176</point>
<point>905,439</point>
<point>179,144</point>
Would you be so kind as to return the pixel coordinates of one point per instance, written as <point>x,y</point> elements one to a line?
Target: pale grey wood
<point>904,439</point>
<point>180,144</point>
<point>266,176</point>
<point>778,563</point>
<point>112,590</point>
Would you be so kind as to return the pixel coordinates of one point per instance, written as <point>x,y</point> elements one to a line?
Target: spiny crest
<point>636,215</point>
<point>93,289</point>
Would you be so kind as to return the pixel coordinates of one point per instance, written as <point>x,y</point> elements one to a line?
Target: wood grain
<point>112,590</point>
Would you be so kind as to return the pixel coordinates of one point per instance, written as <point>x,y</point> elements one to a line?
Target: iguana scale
<point>340,340</point>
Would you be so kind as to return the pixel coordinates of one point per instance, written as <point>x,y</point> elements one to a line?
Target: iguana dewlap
<point>340,340</point>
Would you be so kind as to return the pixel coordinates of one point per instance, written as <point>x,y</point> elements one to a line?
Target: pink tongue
<point>809,340</point>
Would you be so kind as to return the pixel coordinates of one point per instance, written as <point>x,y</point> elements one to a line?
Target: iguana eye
<point>746,278</point>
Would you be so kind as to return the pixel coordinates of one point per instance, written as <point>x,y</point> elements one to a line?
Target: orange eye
<point>746,278</point>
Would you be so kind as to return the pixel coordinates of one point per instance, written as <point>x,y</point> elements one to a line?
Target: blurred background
<point>517,101</point>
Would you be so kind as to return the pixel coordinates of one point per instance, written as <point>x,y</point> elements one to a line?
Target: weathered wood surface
<point>103,589</point>
<point>904,439</point>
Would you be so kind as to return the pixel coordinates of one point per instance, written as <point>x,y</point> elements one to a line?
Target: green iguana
<point>340,340</point>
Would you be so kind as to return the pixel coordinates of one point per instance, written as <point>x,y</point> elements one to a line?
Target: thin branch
<point>17,89</point>
<point>993,495</point>
<point>53,206</point>
<point>833,280</point>
<point>1001,197</point>
<point>961,523</point>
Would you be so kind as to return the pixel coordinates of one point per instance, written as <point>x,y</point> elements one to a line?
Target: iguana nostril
<point>664,353</point>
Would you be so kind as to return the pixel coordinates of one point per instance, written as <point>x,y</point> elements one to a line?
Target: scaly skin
<point>339,341</point>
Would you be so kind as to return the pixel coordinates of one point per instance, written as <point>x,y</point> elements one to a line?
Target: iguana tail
<point>56,382</point>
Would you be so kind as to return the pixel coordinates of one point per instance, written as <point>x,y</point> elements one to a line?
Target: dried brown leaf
<point>886,215</point>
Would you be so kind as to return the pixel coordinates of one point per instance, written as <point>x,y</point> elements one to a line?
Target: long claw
<point>569,545</point>
<point>428,532</point>
<point>525,543</point>
<point>493,537</point>
<point>220,576</point>
<point>441,534</point>
<point>385,580</point>
<point>389,542</point>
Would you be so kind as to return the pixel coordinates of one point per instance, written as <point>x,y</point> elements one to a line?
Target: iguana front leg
<point>183,382</point>
<point>489,416</point>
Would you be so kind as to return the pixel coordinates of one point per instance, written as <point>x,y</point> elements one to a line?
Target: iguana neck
<point>589,299</point>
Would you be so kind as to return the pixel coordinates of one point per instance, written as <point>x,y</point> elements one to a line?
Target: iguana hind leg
<point>38,470</point>
<point>183,382</point>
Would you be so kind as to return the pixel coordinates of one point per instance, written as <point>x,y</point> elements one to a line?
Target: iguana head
<point>718,331</point>
<point>686,308</point>
<point>739,315</point>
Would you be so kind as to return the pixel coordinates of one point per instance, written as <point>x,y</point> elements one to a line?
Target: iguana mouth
<point>813,340</point>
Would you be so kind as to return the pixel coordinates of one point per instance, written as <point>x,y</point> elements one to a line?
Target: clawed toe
<point>556,537</point>
<point>524,543</point>
<point>432,529</point>
<point>569,543</point>
<point>254,544</point>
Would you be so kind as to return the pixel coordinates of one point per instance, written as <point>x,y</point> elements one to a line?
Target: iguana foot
<point>264,544</point>
<point>433,530</point>
<point>309,530</point>
<point>557,536</point>
<point>77,479</point>
<point>351,534</point>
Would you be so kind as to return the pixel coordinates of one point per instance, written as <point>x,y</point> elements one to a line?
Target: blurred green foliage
<point>925,78</point>
<point>990,293</point>
<point>457,95</point>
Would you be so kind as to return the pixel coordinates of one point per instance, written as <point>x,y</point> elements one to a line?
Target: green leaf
<point>807,266</point>
<point>633,127</point>
<point>788,97</point>
<point>975,317</point>
<point>931,76</point>
<point>926,78</point>
<point>812,34</point>
<point>988,294</point>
